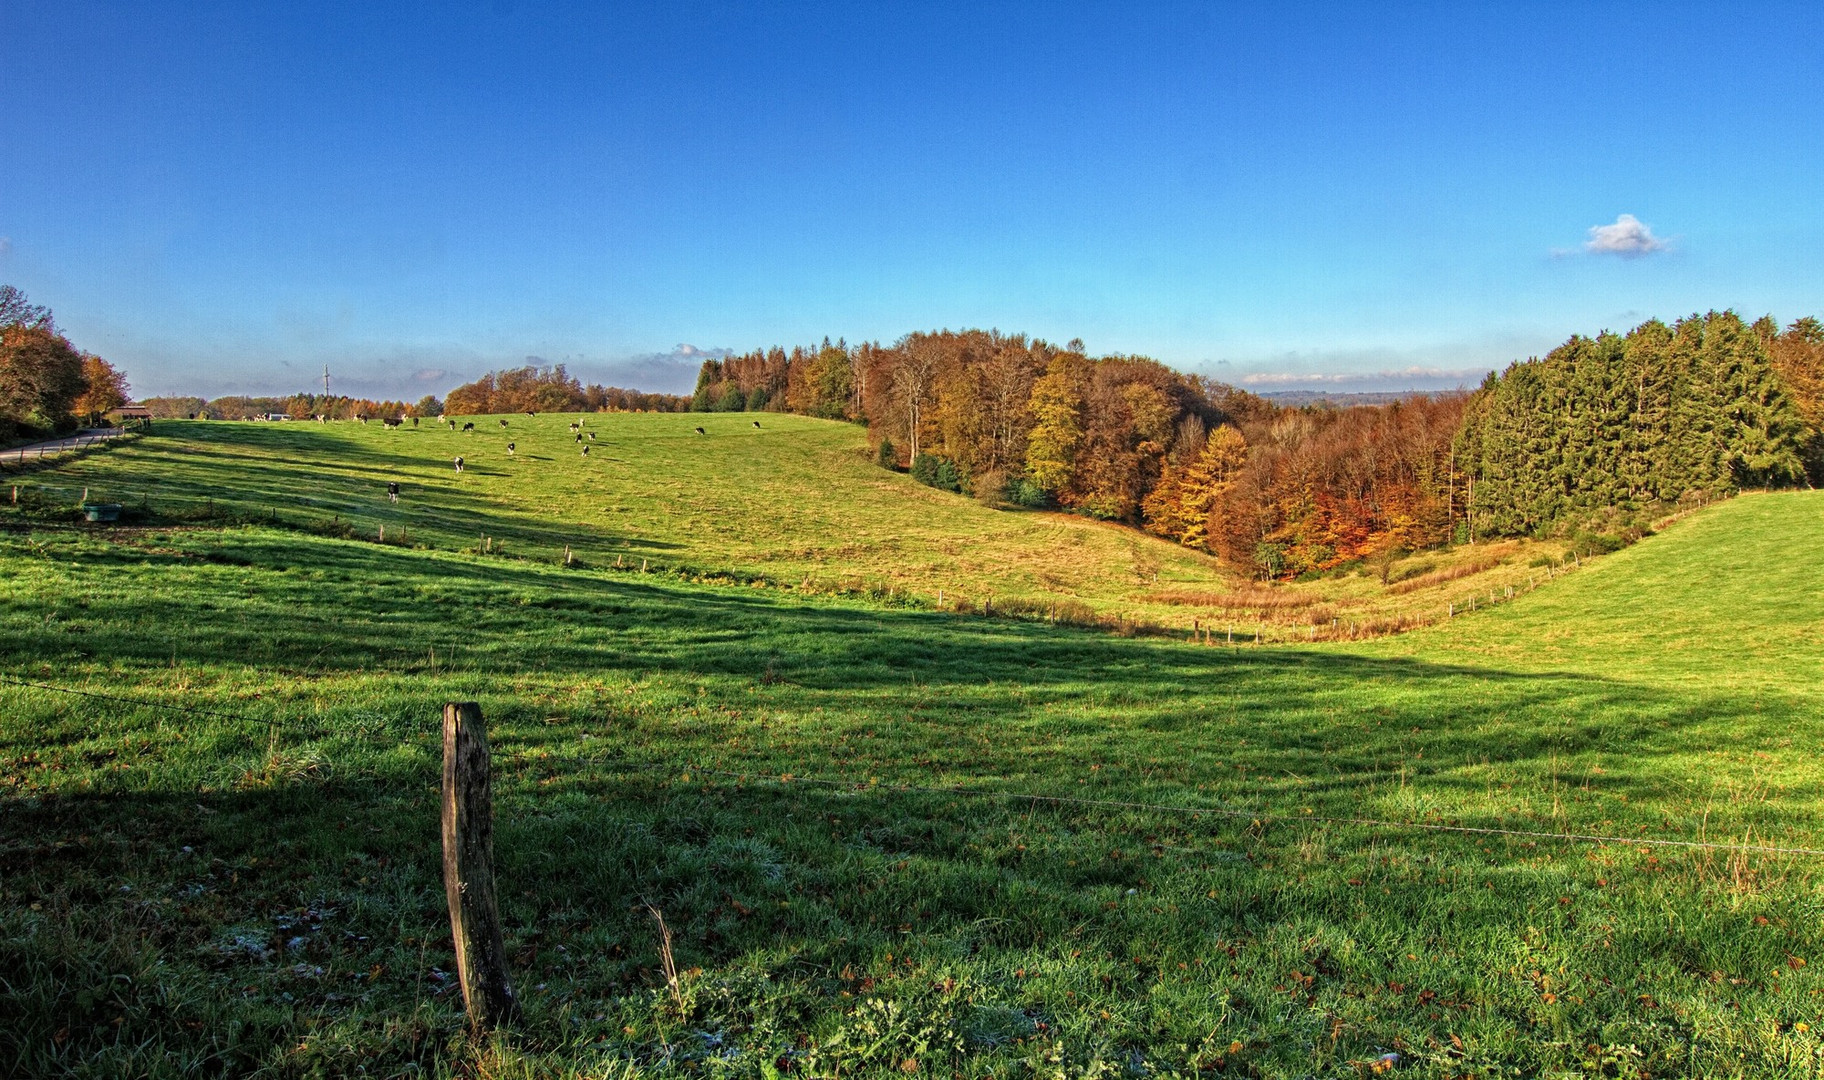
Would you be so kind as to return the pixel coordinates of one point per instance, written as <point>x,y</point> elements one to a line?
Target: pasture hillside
<point>902,842</point>
<point>1730,597</point>
<point>795,503</point>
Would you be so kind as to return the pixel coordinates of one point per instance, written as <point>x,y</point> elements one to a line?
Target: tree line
<point>535,389</point>
<point>1008,419</point>
<point>1617,424</point>
<point>47,385</point>
<point>297,406</point>
<point>1600,433</point>
<point>525,389</point>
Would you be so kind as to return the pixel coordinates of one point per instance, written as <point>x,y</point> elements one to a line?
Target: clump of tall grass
<point>1447,574</point>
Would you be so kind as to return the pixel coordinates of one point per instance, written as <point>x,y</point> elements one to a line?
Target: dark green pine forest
<point>1617,423</point>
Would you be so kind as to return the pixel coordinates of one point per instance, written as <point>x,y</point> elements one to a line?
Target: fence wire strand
<point>1256,816</point>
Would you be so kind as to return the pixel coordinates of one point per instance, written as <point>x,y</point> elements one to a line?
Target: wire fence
<point>1036,798</point>
<point>51,450</point>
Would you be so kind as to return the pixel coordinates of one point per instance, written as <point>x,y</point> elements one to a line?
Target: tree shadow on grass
<point>963,696</point>
<point>340,478</point>
<point>170,919</point>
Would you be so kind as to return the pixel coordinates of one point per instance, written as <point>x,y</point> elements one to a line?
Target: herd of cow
<point>576,429</point>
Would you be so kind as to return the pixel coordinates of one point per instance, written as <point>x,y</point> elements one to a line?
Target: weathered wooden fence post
<point>468,869</point>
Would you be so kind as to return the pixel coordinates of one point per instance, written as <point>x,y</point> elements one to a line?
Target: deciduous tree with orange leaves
<point>105,389</point>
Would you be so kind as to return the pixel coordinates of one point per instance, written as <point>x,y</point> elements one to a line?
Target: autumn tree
<point>1181,507</point>
<point>821,381</point>
<point>1057,422</point>
<point>174,408</point>
<point>1798,358</point>
<point>912,387</point>
<point>16,310</point>
<point>104,389</point>
<point>40,379</point>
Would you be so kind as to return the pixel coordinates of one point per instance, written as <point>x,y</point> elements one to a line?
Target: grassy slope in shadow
<point>302,929</point>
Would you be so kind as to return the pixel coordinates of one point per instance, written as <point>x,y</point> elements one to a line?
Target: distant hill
<point>1298,398</point>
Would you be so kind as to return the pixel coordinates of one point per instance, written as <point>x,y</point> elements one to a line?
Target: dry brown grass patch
<point>1250,600</point>
<point>1494,558</point>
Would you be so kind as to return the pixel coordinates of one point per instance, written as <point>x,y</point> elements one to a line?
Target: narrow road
<point>85,437</point>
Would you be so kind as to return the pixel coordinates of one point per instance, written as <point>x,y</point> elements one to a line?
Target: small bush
<point>1585,544</point>
<point>989,488</point>
<point>935,471</point>
<point>887,457</point>
<point>1023,492</point>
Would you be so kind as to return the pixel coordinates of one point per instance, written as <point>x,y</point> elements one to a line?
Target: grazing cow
<point>392,490</point>
<point>503,423</point>
<point>592,436</point>
<point>575,426</point>
<point>361,417</point>
<point>585,450</point>
<point>468,427</point>
<point>579,436</point>
<point>452,424</point>
<point>414,421</point>
<point>457,461</point>
<point>510,449</point>
<point>699,431</point>
<point>531,412</point>
<point>392,421</point>
<point>756,423</point>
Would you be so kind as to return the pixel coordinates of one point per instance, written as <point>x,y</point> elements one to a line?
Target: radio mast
<point>325,380</point>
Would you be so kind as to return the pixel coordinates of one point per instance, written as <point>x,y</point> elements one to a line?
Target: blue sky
<point>225,198</point>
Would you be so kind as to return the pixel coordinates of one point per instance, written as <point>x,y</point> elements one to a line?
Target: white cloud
<point>6,246</point>
<point>1629,237</point>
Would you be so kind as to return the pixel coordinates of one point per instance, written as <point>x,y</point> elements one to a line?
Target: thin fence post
<point>468,869</point>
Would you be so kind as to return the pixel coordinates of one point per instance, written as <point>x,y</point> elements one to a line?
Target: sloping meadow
<point>793,504</point>
<point>890,841</point>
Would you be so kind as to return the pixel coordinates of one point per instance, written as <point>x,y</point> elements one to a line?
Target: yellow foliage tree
<point>1057,410</point>
<point>1180,507</point>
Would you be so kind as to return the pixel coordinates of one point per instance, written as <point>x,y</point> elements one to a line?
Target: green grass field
<point>254,889</point>
<point>795,503</point>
